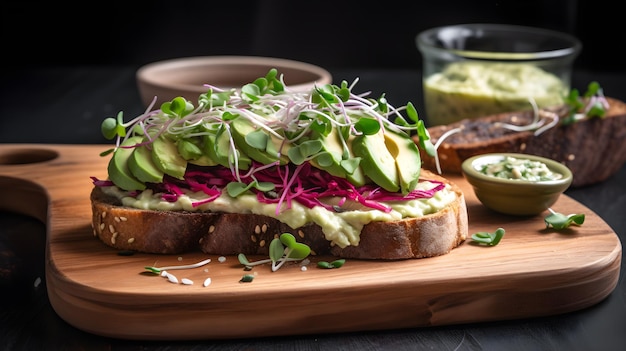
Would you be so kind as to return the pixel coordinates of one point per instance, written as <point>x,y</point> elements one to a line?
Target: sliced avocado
<point>338,159</point>
<point>217,147</point>
<point>407,156</point>
<point>142,166</point>
<point>119,172</point>
<point>203,160</point>
<point>357,177</point>
<point>272,150</point>
<point>192,151</point>
<point>166,157</point>
<point>376,161</point>
<point>332,153</point>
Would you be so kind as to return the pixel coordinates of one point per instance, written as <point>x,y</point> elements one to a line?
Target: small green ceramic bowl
<point>515,196</point>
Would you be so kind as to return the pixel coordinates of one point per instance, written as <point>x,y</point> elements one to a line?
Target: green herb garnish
<point>333,264</point>
<point>489,239</point>
<point>591,104</point>
<point>282,249</point>
<point>247,278</point>
<point>560,221</point>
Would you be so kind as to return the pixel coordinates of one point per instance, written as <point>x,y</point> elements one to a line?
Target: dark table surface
<point>65,105</point>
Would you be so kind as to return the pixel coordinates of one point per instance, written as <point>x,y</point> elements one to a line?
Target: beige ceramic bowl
<point>186,76</point>
<point>511,196</point>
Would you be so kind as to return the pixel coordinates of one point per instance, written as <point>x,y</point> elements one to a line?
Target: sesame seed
<point>207,282</point>
<point>117,219</point>
<point>262,243</point>
<point>111,228</point>
<point>264,228</point>
<point>123,219</point>
<point>211,229</point>
<point>301,233</point>
<point>571,157</point>
<point>186,281</point>
<point>103,215</point>
<point>253,238</point>
<point>131,240</point>
<point>522,147</point>
<point>101,227</point>
<point>257,229</point>
<point>172,278</point>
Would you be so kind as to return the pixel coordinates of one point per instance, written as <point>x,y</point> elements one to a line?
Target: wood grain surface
<point>533,272</point>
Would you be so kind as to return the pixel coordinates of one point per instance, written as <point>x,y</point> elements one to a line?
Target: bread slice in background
<point>593,149</point>
<point>173,232</point>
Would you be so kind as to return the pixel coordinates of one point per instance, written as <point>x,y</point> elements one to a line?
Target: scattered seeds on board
<point>172,278</point>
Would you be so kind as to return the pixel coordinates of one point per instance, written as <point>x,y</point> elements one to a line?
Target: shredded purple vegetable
<point>304,184</point>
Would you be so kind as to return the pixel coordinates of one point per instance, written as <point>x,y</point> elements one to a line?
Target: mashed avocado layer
<point>472,89</point>
<point>342,228</point>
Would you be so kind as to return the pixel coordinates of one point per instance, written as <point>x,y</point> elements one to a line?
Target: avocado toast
<point>339,171</point>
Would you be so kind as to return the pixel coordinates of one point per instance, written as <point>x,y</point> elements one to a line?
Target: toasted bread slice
<point>172,232</point>
<point>593,149</point>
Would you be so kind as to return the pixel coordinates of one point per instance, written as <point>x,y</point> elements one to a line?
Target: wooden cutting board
<point>533,272</point>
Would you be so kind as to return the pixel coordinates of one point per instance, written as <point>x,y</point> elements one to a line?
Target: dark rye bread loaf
<point>172,232</point>
<point>593,149</point>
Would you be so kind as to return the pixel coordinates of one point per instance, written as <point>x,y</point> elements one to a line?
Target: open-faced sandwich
<point>230,173</point>
<point>586,134</point>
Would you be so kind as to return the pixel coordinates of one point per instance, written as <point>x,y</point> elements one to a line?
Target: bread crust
<point>173,232</point>
<point>593,149</point>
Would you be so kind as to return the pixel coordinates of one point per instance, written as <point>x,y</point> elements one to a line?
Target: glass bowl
<point>515,196</point>
<point>475,70</point>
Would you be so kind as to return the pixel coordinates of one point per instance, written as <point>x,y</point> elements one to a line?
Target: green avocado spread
<point>471,89</point>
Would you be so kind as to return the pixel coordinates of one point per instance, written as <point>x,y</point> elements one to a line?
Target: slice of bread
<point>172,232</point>
<point>593,149</point>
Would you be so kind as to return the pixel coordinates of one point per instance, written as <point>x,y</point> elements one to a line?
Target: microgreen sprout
<point>158,270</point>
<point>592,104</point>
<point>283,249</point>
<point>488,239</point>
<point>560,221</point>
<point>329,265</point>
<point>246,278</point>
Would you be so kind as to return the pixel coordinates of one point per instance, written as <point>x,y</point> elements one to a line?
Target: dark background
<point>332,34</point>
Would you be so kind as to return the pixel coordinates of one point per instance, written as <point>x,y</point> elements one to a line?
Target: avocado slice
<point>217,147</point>
<point>357,177</point>
<point>142,166</point>
<point>119,172</point>
<point>336,155</point>
<point>191,149</point>
<point>407,157</point>
<point>332,153</point>
<point>166,157</point>
<point>273,149</point>
<point>377,162</point>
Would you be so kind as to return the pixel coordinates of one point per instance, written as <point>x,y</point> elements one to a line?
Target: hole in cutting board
<point>23,213</point>
<point>25,156</point>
